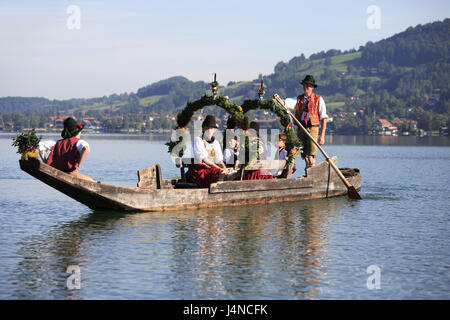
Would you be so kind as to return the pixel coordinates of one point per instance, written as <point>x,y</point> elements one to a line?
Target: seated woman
<point>69,153</point>
<point>229,132</point>
<point>261,155</point>
<point>281,153</point>
<point>230,144</point>
<point>208,167</point>
<point>231,153</point>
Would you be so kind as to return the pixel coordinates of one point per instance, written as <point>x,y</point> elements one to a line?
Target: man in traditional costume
<point>209,166</point>
<point>69,153</point>
<point>310,110</point>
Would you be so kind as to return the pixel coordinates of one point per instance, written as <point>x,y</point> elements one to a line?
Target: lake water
<point>318,249</point>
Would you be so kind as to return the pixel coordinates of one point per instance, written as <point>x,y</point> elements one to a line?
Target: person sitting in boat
<point>231,152</point>
<point>282,153</point>
<point>69,153</point>
<point>229,132</point>
<point>209,166</point>
<point>261,154</point>
<point>230,144</point>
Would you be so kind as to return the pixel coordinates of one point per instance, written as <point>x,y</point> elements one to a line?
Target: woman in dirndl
<point>209,166</point>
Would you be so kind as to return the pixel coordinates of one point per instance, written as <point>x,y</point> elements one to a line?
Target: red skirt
<point>257,175</point>
<point>202,175</point>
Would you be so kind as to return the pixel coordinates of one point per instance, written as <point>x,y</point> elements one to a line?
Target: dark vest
<point>65,155</point>
<point>312,108</point>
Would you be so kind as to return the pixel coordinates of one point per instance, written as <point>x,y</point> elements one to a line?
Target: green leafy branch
<point>26,141</point>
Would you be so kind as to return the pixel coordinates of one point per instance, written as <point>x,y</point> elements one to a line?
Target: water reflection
<point>264,251</point>
<point>41,274</point>
<point>276,251</point>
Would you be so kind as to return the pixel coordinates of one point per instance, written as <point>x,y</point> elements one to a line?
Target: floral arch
<point>236,111</point>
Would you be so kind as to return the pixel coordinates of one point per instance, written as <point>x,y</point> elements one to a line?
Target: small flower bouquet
<point>27,144</point>
<point>261,92</point>
<point>214,87</point>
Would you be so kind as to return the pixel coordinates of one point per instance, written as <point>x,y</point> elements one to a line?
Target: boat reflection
<point>276,251</point>
<point>273,251</point>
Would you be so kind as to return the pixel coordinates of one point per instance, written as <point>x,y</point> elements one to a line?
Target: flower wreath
<point>293,144</point>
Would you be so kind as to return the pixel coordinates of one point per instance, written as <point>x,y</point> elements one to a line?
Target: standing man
<point>310,110</point>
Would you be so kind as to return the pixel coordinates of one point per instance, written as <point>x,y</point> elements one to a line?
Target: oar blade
<point>353,193</point>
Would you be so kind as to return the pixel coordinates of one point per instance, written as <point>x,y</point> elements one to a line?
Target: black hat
<point>254,125</point>
<point>309,79</point>
<point>209,121</point>
<point>244,124</point>
<point>231,122</point>
<point>71,128</point>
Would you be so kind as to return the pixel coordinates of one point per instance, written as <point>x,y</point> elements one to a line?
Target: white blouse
<point>47,145</point>
<point>203,149</point>
<point>228,156</point>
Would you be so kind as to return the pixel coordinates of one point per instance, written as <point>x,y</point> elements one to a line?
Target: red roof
<point>384,123</point>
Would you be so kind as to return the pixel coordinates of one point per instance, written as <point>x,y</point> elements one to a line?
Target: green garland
<point>180,140</point>
<point>214,87</point>
<point>184,117</point>
<point>293,144</point>
<point>267,105</point>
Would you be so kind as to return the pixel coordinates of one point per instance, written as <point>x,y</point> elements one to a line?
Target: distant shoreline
<point>167,131</point>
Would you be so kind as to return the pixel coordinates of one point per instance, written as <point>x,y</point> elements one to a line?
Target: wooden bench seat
<point>182,163</point>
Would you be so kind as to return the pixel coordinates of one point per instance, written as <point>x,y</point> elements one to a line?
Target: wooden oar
<point>351,191</point>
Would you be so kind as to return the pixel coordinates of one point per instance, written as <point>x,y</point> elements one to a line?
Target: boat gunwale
<point>99,196</point>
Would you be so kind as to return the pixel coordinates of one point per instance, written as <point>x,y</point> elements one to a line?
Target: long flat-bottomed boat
<point>153,193</point>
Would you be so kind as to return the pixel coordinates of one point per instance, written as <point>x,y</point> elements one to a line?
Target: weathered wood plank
<point>321,182</point>
<point>260,185</point>
<point>150,178</point>
<point>266,164</point>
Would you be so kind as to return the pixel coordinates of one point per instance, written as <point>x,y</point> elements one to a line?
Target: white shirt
<point>281,155</point>
<point>47,145</point>
<point>203,149</point>
<point>228,156</point>
<point>81,144</point>
<point>290,103</point>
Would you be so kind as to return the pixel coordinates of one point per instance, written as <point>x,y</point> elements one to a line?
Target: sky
<point>48,50</point>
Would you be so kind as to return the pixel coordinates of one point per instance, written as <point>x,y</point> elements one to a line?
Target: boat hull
<point>321,182</point>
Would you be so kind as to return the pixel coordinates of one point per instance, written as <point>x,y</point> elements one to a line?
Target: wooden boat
<point>153,193</point>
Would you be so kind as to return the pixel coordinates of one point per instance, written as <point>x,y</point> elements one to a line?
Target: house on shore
<point>385,128</point>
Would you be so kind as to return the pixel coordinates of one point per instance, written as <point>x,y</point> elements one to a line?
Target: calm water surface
<point>317,249</point>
